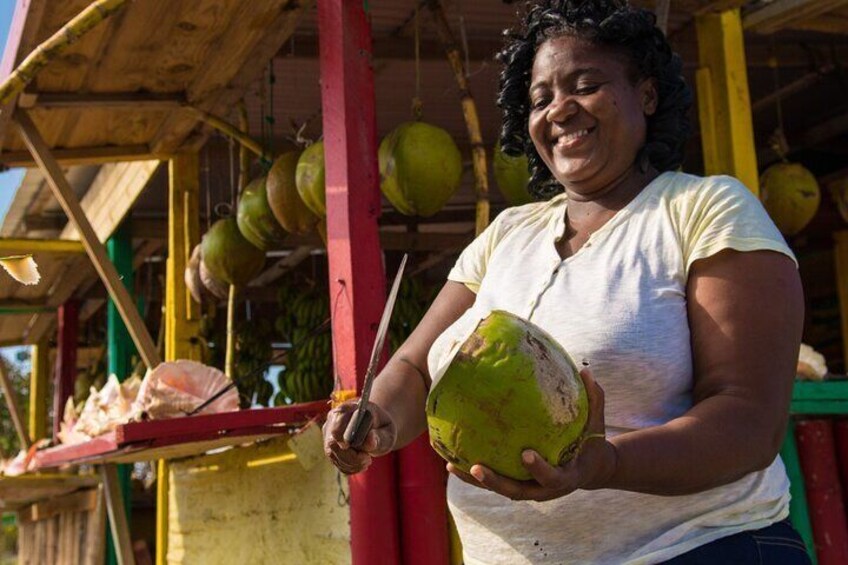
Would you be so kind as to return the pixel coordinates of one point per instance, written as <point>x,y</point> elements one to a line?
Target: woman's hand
<point>594,463</point>
<point>380,440</point>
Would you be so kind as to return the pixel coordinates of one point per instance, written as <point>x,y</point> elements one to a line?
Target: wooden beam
<point>118,100</point>
<point>38,383</point>
<point>724,105</point>
<point>11,398</point>
<point>65,370</point>
<point>779,14</point>
<point>75,272</point>
<point>15,246</point>
<point>117,514</point>
<point>357,277</point>
<point>111,195</point>
<point>283,266</point>
<point>84,156</point>
<point>94,248</point>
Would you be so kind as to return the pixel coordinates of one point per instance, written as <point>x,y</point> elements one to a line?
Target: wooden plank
<point>12,404</point>
<point>228,73</point>
<point>722,52</point>
<point>774,16</point>
<point>212,423</point>
<point>94,248</point>
<point>283,266</point>
<point>135,101</point>
<point>81,501</point>
<point>95,532</point>
<point>16,246</point>
<point>84,156</point>
<point>811,391</point>
<point>111,195</point>
<point>117,514</point>
<point>357,277</point>
<point>39,381</point>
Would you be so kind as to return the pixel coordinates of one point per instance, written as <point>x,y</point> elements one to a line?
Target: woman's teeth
<point>571,137</point>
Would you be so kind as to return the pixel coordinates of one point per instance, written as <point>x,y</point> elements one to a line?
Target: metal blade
<point>361,419</point>
<point>380,339</point>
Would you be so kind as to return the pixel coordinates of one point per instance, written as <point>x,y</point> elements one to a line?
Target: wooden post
<point>95,249</point>
<point>799,511</point>
<point>357,279</point>
<point>38,382</point>
<point>182,314</point>
<point>66,360</point>
<point>724,105</point>
<point>120,351</point>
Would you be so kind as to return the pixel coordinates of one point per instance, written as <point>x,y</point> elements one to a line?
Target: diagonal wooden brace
<point>93,246</point>
<point>117,514</point>
<point>12,403</point>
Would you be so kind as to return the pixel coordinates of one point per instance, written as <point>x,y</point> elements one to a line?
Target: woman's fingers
<point>380,439</point>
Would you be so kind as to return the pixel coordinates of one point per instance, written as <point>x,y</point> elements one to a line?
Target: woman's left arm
<point>745,316</point>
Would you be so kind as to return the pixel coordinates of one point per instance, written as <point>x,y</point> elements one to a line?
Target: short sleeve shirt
<point>619,304</point>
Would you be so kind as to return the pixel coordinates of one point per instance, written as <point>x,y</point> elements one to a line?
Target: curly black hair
<point>610,23</point>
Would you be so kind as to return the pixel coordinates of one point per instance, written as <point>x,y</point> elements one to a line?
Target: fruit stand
<point>167,120</point>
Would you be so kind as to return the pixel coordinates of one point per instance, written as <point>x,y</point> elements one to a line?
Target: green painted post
<point>120,349</point>
<point>799,512</point>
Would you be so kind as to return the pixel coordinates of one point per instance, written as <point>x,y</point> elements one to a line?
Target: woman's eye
<point>586,89</point>
<point>539,103</point>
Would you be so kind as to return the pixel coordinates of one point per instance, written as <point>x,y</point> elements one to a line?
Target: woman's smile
<point>565,142</point>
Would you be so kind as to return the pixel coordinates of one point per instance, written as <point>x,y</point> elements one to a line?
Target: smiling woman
<point>677,291</point>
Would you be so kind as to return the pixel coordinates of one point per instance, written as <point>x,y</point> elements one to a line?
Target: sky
<point>10,180</point>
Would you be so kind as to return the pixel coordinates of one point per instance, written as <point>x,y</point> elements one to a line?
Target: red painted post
<point>357,278</point>
<point>66,360</point>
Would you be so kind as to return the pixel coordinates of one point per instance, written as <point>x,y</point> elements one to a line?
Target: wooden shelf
<point>16,492</point>
<point>181,437</point>
<point>820,397</point>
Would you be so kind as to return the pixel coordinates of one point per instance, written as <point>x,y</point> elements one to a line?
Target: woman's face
<point>587,119</point>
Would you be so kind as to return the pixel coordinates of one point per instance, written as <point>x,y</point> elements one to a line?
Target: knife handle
<point>358,427</point>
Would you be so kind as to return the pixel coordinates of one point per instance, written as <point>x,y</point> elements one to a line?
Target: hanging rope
<point>417,105</point>
<point>272,79</point>
<point>778,140</point>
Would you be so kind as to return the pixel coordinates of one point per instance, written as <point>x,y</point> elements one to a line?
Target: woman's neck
<point>602,204</point>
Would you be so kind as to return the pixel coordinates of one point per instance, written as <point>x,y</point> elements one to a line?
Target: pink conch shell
<point>175,388</point>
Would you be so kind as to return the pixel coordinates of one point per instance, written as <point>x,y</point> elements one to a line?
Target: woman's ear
<point>650,97</point>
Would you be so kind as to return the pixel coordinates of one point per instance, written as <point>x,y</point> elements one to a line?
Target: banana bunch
<point>308,373</point>
<point>412,303</point>
<point>253,353</point>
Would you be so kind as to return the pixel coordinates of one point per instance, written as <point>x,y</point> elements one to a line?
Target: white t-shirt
<point>618,303</point>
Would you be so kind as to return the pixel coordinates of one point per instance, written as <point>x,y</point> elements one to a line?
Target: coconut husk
<point>217,288</point>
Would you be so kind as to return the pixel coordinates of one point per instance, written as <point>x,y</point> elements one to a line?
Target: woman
<point>676,290</point>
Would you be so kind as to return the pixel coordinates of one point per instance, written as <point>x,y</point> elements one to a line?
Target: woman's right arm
<point>399,393</point>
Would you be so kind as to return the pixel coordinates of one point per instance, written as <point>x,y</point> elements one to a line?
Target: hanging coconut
<point>509,387</point>
<point>512,174</point>
<point>229,256</point>
<point>309,179</point>
<point>283,198</point>
<point>420,168</point>
<point>213,285</point>
<point>202,290</point>
<point>791,195</point>
<point>255,219</point>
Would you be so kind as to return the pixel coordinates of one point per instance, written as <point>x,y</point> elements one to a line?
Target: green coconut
<point>255,219</point>
<point>791,195</point>
<point>285,202</point>
<point>420,168</point>
<point>309,179</point>
<point>510,387</point>
<point>228,255</point>
<point>512,174</point>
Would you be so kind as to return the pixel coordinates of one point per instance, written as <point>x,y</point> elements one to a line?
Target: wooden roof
<point>117,95</point>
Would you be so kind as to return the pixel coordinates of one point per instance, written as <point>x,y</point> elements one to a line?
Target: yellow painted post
<point>39,380</point>
<point>182,314</point>
<point>724,104</point>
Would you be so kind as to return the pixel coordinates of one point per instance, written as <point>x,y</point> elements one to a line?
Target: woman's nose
<point>561,108</point>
